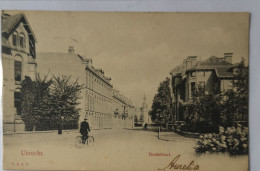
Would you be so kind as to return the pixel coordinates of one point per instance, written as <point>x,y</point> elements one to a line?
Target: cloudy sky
<point>138,50</point>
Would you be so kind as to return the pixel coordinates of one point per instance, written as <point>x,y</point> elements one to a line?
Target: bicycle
<point>79,141</point>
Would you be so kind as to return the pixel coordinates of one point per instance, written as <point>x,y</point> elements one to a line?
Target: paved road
<point>113,150</point>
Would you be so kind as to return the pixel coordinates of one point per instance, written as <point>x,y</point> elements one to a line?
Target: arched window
<point>15,37</point>
<point>18,68</point>
<point>22,40</point>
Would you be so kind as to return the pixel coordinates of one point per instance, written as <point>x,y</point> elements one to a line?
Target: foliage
<point>236,100</point>
<point>206,110</point>
<point>64,96</point>
<point>35,95</point>
<point>44,102</point>
<point>232,140</point>
<point>161,107</point>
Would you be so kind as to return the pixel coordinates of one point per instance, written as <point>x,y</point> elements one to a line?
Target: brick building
<point>18,61</point>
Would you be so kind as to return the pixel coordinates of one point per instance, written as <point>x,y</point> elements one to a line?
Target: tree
<point>206,109</point>
<point>64,101</point>
<point>161,107</point>
<point>236,99</point>
<point>35,96</point>
<point>45,102</point>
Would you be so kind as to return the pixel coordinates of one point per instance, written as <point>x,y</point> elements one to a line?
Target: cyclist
<point>84,130</point>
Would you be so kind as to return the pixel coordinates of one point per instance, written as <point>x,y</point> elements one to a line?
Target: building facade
<point>98,100</point>
<point>215,74</point>
<point>18,61</point>
<point>123,111</point>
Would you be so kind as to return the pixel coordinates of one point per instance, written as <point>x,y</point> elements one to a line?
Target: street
<point>113,150</point>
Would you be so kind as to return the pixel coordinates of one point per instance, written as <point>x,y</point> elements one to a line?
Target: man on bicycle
<point>84,130</point>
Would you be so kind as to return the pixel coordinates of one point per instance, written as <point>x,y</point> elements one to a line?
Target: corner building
<point>18,61</point>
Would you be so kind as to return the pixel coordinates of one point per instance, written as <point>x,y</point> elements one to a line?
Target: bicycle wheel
<point>78,142</point>
<point>90,141</point>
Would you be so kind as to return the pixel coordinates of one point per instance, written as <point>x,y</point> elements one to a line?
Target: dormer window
<point>22,40</point>
<point>15,36</point>
<point>19,40</point>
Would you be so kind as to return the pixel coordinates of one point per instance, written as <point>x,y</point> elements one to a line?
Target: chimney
<point>188,63</point>
<point>71,49</point>
<point>193,60</point>
<point>184,65</point>
<point>4,15</point>
<point>228,57</point>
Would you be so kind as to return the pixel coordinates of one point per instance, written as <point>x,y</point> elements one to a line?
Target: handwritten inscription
<point>31,153</point>
<point>178,166</point>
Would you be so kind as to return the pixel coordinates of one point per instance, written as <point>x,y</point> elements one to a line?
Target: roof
<point>177,69</point>
<point>221,67</point>
<point>223,72</point>
<point>211,63</point>
<point>10,22</point>
<point>5,42</point>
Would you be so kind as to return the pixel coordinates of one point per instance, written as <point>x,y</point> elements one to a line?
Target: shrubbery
<point>233,140</point>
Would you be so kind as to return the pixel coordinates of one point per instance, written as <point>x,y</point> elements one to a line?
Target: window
<point>15,36</point>
<point>18,70</point>
<point>22,40</point>
<point>17,102</point>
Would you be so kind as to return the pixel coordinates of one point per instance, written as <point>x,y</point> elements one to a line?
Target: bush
<point>232,140</point>
<point>200,127</point>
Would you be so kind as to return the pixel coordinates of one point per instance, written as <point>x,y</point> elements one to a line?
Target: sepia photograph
<point>125,90</point>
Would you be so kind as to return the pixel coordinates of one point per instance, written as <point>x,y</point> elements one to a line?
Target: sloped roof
<point>177,69</point>
<point>65,64</point>
<point>9,23</point>
<point>5,42</point>
<point>211,63</point>
<point>223,72</point>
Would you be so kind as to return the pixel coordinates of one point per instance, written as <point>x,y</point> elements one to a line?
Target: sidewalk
<point>174,137</point>
<point>94,131</point>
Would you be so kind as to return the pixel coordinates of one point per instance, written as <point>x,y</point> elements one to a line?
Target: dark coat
<point>84,127</point>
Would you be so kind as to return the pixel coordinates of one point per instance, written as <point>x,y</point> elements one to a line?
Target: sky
<point>138,50</point>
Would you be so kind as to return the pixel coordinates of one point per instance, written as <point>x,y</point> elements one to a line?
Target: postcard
<point>125,90</point>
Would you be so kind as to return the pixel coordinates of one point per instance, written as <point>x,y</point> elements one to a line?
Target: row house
<point>212,74</point>
<point>18,61</point>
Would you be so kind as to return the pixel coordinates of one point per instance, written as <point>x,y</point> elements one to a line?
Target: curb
<point>36,132</point>
<point>187,134</point>
<point>55,131</point>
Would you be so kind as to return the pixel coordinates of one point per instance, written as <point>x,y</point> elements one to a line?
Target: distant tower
<point>144,111</point>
